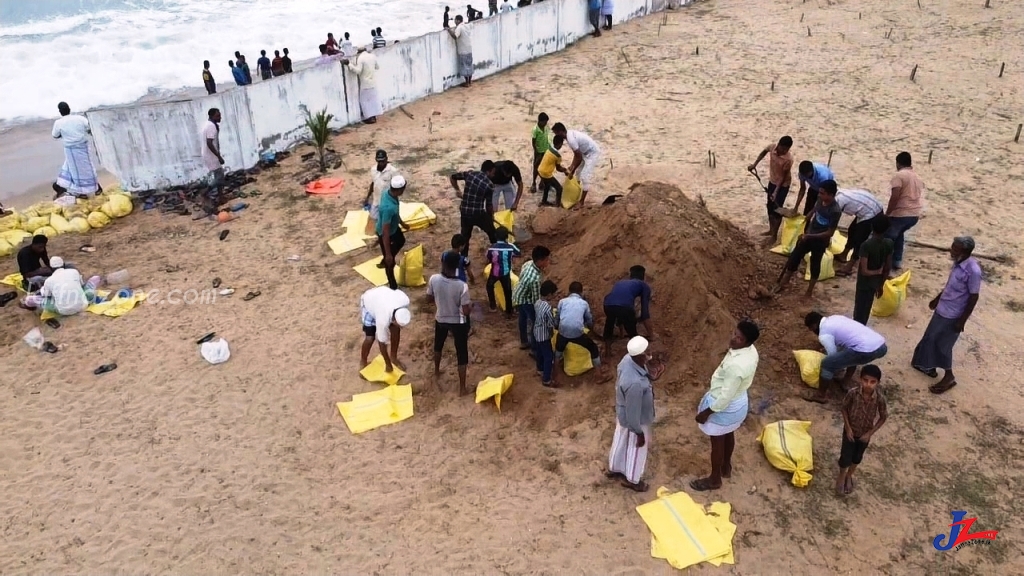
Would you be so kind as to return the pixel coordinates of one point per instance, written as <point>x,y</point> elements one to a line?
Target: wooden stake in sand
<point>714,160</point>
<point>430,125</point>
<point>696,52</point>
<point>801,17</point>
<point>406,112</point>
<point>829,164</point>
<point>1017,137</point>
<point>773,85</point>
<point>808,31</point>
<point>1001,68</point>
<point>888,34</point>
<point>930,156</point>
<point>918,4</point>
<point>986,3</point>
<point>913,73</point>
<point>622,51</point>
<point>858,15</point>
<point>709,158</point>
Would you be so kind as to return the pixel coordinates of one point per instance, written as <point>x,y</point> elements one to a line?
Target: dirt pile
<point>705,274</point>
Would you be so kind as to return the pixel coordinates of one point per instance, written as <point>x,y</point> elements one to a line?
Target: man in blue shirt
<point>237,73</point>
<point>263,65</point>
<point>811,175</point>
<point>389,228</point>
<point>620,307</point>
<point>574,319</point>
<point>594,12</point>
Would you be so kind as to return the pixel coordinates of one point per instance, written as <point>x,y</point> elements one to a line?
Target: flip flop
<point>702,485</point>
<point>206,338</point>
<point>939,389</point>
<point>216,282</point>
<point>224,234</point>
<point>87,248</point>
<point>251,295</point>
<point>226,292</point>
<point>53,323</point>
<point>7,298</point>
<point>104,369</point>
<point>50,347</point>
<point>640,486</point>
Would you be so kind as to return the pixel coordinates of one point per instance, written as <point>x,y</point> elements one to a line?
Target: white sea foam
<point>120,51</point>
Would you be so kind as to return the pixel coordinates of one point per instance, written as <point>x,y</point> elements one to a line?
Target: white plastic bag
<point>34,338</point>
<point>215,352</point>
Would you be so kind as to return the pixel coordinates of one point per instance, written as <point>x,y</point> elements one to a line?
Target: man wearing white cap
<point>634,412</point>
<point>724,407</point>
<point>384,312</point>
<point>64,292</point>
<point>389,228</point>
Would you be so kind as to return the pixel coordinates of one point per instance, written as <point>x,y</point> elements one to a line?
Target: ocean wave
<point>119,51</point>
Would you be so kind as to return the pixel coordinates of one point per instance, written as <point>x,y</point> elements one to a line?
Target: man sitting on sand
<point>34,264</point>
<point>847,344</point>
<point>77,175</point>
<point>780,176</point>
<point>384,313</point>
<point>63,292</point>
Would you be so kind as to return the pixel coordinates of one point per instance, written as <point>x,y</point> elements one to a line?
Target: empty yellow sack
<point>809,362</point>
<point>410,269</point>
<point>499,292</point>
<point>571,193</point>
<point>79,224</point>
<point>576,359</point>
<point>35,223</point>
<point>788,446</point>
<point>683,534</point>
<point>369,270</point>
<point>789,233</point>
<point>346,243</point>
<point>98,219</point>
<point>59,223</point>
<point>5,248</point>
<point>375,372</point>
<point>116,307</point>
<point>894,292</point>
<point>378,408</point>
<point>48,231</point>
<point>827,267</point>
<point>117,206</point>
<point>837,243</point>
<point>491,387</point>
<point>357,224</point>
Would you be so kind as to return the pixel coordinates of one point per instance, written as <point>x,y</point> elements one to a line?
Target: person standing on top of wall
<point>236,73</point>
<point>463,49</point>
<point>492,7</point>
<point>506,6</point>
<point>594,13</point>
<point>277,64</point>
<point>331,44</point>
<point>472,14</point>
<point>444,22</point>
<point>607,9</point>
<point>347,48</point>
<point>241,63</point>
<point>286,61</point>
<point>263,65</point>
<point>378,39</point>
<point>365,67</point>
<point>208,81</point>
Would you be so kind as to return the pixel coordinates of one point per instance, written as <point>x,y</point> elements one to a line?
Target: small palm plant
<point>318,128</point>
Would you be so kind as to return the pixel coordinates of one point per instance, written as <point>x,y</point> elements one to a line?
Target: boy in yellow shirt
<point>551,161</point>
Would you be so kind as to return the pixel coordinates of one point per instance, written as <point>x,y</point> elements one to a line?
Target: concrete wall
<point>157,145</point>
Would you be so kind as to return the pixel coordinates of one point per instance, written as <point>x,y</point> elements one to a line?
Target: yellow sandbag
<point>571,193</point>
<point>894,292</point>
<point>682,533</point>
<point>789,233</point>
<point>506,219</point>
<point>116,307</point>
<point>416,215</point>
<point>58,223</point>
<point>48,231</point>
<point>837,243</point>
<point>809,362</point>
<point>379,408</point>
<point>79,224</point>
<point>14,237</point>
<point>70,212</point>
<point>35,223</point>
<point>576,359</point>
<point>410,269</point>
<point>117,206</point>
<point>499,292</point>
<point>827,267</point>
<point>788,446</point>
<point>30,213</point>
<point>493,387</point>
<point>12,221</point>
<point>375,372</point>
<point>98,219</point>
<point>45,208</point>
<point>5,248</point>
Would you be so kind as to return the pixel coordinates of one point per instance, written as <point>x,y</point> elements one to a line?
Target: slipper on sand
<point>251,295</point>
<point>939,388</point>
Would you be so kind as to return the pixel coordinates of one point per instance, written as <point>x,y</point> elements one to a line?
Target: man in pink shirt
<point>904,207</point>
<point>953,307</point>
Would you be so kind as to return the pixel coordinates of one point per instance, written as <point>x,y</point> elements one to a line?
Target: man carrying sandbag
<point>818,231</point>
<point>847,344</point>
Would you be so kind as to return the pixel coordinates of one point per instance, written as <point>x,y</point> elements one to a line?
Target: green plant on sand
<point>317,124</point>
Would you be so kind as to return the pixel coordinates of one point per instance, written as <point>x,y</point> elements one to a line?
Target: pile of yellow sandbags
<point>53,218</point>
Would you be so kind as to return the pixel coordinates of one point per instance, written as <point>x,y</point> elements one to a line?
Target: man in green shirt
<point>540,140</point>
<point>872,268</point>
<point>389,228</point>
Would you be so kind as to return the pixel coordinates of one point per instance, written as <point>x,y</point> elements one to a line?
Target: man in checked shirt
<point>475,209</point>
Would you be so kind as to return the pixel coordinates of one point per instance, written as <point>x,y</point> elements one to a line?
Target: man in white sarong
<point>634,412</point>
<point>77,176</point>
<point>724,407</point>
<point>586,155</point>
<point>365,67</point>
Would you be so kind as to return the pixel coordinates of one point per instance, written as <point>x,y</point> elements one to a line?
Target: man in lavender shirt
<point>848,344</point>
<point>952,309</point>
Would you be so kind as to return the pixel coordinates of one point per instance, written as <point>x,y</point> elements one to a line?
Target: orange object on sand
<point>223,216</point>
<point>325,186</point>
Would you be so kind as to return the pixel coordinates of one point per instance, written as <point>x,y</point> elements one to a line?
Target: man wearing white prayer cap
<point>384,312</point>
<point>634,414</point>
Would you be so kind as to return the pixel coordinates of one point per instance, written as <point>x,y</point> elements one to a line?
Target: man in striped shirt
<point>864,208</point>
<point>527,292</point>
<point>500,256</point>
<point>378,39</point>
<point>543,331</point>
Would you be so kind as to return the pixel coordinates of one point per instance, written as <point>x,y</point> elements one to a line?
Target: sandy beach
<point>171,465</point>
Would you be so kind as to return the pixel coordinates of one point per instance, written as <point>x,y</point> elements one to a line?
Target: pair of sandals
<point>640,486</point>
<point>938,387</point>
